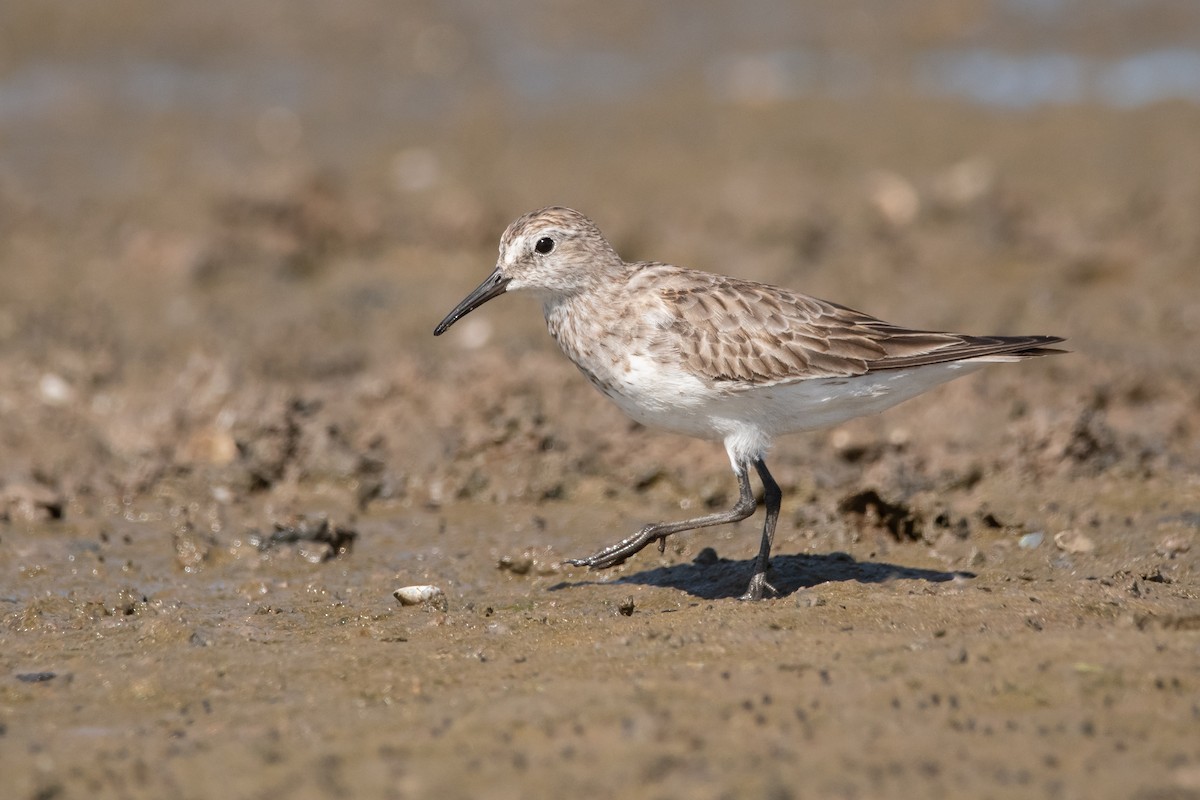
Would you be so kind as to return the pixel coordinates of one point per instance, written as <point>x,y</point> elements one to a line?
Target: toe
<point>758,588</point>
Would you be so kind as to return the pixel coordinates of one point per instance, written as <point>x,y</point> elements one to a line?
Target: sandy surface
<point>227,436</point>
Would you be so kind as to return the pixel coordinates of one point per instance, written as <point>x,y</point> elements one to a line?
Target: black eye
<point>544,245</point>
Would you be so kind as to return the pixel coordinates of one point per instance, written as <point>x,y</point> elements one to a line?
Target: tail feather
<point>978,348</point>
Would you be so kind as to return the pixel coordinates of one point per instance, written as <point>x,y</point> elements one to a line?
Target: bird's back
<point>745,334</point>
<point>705,354</point>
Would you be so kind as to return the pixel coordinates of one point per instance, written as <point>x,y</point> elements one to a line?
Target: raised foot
<point>596,561</point>
<point>758,586</point>
<point>616,554</point>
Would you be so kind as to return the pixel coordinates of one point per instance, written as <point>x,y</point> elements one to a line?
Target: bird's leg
<point>773,498</point>
<point>617,553</point>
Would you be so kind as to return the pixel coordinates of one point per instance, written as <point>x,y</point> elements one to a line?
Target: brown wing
<point>730,330</point>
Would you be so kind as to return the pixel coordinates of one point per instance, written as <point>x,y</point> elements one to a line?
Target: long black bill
<point>493,286</point>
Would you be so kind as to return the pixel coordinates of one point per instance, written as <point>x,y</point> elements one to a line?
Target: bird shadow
<point>712,578</point>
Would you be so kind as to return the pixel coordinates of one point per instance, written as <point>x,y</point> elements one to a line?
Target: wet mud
<point>228,437</point>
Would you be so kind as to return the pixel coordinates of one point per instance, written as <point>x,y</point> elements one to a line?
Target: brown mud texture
<point>227,435</point>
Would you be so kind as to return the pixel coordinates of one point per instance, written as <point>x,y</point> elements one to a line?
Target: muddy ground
<point>227,435</point>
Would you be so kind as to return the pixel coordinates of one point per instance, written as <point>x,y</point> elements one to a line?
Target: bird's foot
<point>758,587</point>
<point>616,554</point>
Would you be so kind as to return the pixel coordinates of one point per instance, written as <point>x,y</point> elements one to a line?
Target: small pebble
<point>1172,546</point>
<point>1031,541</point>
<point>55,390</point>
<point>36,677</point>
<point>517,565</point>
<point>808,599</point>
<point>1073,541</point>
<point>430,596</point>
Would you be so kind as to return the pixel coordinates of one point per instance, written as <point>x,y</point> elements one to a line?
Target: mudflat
<point>228,436</point>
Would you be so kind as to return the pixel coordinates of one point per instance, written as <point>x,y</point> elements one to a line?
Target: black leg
<point>773,498</point>
<point>617,553</point>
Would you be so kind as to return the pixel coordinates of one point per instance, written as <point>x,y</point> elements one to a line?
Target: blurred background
<point>129,96</point>
<point>197,198</point>
<point>227,230</point>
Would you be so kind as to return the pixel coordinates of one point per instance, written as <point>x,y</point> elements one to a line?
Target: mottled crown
<point>556,250</point>
<point>551,218</point>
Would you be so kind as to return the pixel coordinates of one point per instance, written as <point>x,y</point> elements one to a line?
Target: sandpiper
<point>719,358</point>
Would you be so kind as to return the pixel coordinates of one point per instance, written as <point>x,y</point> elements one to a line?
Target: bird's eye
<point>544,245</point>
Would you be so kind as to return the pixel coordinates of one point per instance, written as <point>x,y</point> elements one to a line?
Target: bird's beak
<point>493,286</point>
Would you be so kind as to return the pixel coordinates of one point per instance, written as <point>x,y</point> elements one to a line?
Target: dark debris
<point>337,541</point>
<point>869,509</point>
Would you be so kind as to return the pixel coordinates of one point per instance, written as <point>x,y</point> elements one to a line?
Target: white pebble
<point>1074,542</point>
<point>55,390</point>
<point>431,596</point>
<point>1031,541</point>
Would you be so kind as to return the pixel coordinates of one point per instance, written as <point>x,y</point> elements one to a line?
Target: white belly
<point>675,400</point>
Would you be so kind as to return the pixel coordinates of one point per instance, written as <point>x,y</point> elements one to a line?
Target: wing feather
<point>733,331</point>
